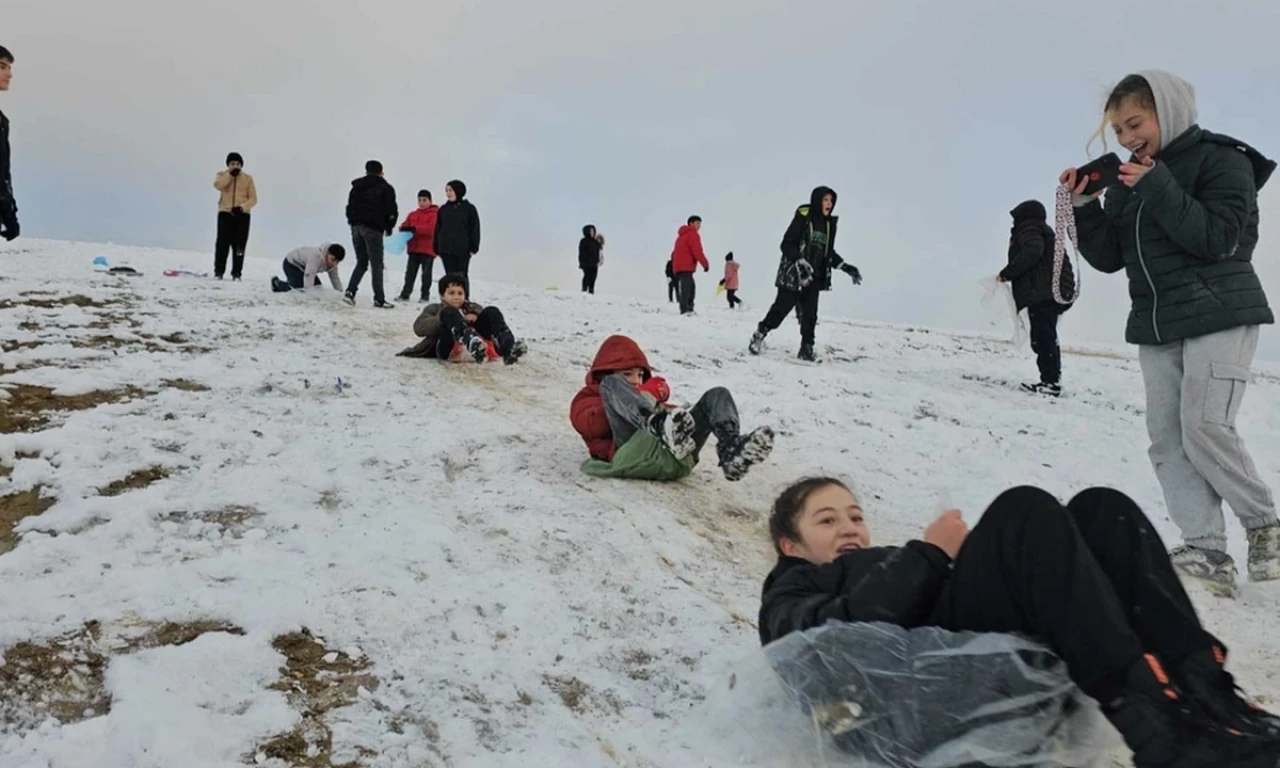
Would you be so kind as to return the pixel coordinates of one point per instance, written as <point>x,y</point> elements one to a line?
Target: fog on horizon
<point>930,119</point>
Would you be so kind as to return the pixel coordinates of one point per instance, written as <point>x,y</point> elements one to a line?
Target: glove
<point>852,272</point>
<point>656,386</point>
<point>9,220</point>
<point>800,274</point>
<point>706,269</point>
<point>235,171</point>
<point>237,210</point>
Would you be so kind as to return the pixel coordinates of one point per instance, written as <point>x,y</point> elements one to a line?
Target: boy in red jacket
<point>685,258</point>
<point>421,247</point>
<point>622,397</point>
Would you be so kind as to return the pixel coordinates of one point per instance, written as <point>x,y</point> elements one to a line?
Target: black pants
<point>805,303</point>
<point>589,279</point>
<point>233,236</point>
<point>1044,340</point>
<point>294,276</point>
<point>733,297</point>
<point>490,325</point>
<point>455,264</point>
<point>412,263</point>
<point>1092,580</point>
<point>368,246</point>
<point>673,289</point>
<point>686,292</point>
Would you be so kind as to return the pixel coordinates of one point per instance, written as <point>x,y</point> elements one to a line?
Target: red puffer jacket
<point>688,251</point>
<point>422,222</point>
<point>586,412</point>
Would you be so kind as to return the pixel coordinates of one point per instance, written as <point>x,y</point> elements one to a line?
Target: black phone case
<point>1102,173</point>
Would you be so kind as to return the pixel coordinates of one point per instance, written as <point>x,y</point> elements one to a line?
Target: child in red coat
<point>421,247</point>
<point>622,397</point>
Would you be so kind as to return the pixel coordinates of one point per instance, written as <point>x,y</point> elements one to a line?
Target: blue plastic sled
<point>397,242</point>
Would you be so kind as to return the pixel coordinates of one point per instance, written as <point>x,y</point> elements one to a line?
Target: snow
<point>431,519</point>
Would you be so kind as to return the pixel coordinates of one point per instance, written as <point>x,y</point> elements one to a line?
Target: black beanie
<point>459,188</point>
<point>234,157</point>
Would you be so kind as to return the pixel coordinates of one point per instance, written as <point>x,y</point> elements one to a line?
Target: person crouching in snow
<point>456,329</point>
<point>632,431</point>
<point>302,267</point>
<point>1091,580</point>
<point>808,257</point>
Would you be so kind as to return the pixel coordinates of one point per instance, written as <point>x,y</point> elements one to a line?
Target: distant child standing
<point>730,281</point>
<point>589,257</point>
<point>421,248</point>
<point>237,195</point>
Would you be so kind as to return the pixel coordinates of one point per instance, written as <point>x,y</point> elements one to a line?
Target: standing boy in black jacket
<point>372,214</point>
<point>589,258</point>
<point>8,206</point>
<point>457,230</point>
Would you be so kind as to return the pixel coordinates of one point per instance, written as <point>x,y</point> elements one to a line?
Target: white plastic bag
<point>992,292</point>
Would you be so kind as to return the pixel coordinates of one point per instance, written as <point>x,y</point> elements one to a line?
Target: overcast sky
<point>931,120</point>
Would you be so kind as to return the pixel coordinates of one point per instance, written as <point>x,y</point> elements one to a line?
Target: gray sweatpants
<point>628,411</point>
<point>1194,390</point>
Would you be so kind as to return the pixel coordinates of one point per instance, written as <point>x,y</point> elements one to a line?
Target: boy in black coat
<point>1092,580</point>
<point>589,258</point>
<point>372,214</point>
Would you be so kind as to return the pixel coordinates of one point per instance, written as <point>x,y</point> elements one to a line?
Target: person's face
<point>455,296</point>
<point>828,203</point>
<point>6,74</point>
<point>424,202</point>
<point>449,193</point>
<point>634,376</point>
<point>234,165</point>
<point>1137,128</point>
<point>697,226</point>
<point>830,525</point>
<point>330,260</point>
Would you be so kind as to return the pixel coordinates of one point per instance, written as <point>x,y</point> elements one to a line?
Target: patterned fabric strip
<point>1064,226</point>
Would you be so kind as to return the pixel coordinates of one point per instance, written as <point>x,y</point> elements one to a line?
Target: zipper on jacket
<point>1155,297</point>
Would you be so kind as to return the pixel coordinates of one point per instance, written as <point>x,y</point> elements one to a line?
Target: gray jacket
<point>310,260</point>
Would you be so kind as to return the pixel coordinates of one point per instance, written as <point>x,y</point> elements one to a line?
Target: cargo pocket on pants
<point>1222,400</point>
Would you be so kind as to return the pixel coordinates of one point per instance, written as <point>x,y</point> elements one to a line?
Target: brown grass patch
<point>140,479</point>
<point>186,385</point>
<point>317,680</point>
<point>61,301</point>
<point>29,407</point>
<point>17,507</point>
<point>60,678</point>
<point>233,519</point>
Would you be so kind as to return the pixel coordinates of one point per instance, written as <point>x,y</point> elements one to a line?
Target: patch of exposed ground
<point>317,680</point>
<point>233,520</point>
<point>63,678</point>
<point>29,408</point>
<point>186,385</point>
<point>140,479</point>
<point>7,469</point>
<point>56,303</point>
<point>17,507</point>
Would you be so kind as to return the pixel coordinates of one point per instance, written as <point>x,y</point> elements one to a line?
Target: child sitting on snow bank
<point>456,329</point>
<point>631,431</point>
<point>302,267</point>
<point>1091,580</point>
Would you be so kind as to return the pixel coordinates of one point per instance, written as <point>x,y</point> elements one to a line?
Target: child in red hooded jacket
<point>421,247</point>
<point>622,397</point>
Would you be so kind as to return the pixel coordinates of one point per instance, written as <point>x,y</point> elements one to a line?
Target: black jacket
<point>811,236</point>
<point>1185,235</point>
<point>588,250</point>
<point>457,229</point>
<point>671,274</point>
<point>6,178</point>
<point>895,585</point>
<point>1030,269</point>
<point>372,204</point>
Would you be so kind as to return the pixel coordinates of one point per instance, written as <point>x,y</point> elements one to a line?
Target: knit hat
<point>234,157</point>
<point>1175,104</point>
<point>459,188</point>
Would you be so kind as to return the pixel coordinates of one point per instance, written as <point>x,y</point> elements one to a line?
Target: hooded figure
<point>589,258</point>
<point>1030,267</point>
<point>1185,234</point>
<point>457,236</point>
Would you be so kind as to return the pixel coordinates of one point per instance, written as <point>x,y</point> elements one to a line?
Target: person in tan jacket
<point>237,196</point>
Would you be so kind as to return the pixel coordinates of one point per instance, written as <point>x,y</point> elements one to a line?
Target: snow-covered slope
<point>469,598</point>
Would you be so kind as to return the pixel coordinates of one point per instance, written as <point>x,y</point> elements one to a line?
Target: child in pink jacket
<point>730,281</point>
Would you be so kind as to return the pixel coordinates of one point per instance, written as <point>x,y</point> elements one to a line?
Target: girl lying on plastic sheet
<point>911,684</point>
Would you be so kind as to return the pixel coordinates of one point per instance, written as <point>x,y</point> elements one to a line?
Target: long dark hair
<point>787,507</point>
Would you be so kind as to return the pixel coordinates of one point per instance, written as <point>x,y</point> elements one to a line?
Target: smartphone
<point>1102,173</point>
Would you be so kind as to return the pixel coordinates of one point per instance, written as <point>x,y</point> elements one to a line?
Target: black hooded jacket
<point>811,236</point>
<point>896,585</point>
<point>1030,269</point>
<point>372,204</point>
<point>457,225</point>
<point>6,178</point>
<point>588,249</point>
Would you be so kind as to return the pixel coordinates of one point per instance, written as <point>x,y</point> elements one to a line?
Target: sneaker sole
<point>1212,586</point>
<point>1269,571</point>
<point>678,434</point>
<point>757,449</point>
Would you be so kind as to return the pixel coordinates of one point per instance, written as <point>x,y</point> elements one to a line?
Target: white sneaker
<point>1264,553</point>
<point>1215,570</point>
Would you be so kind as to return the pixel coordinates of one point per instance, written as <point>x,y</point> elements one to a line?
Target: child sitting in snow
<point>302,267</point>
<point>456,329</point>
<point>632,431</point>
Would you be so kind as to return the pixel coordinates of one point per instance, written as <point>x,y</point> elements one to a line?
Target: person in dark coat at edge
<point>9,228</point>
<point>1090,579</point>
<point>808,257</point>
<point>673,287</point>
<point>1031,271</point>
<point>457,230</point>
<point>372,214</point>
<point>589,258</point>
